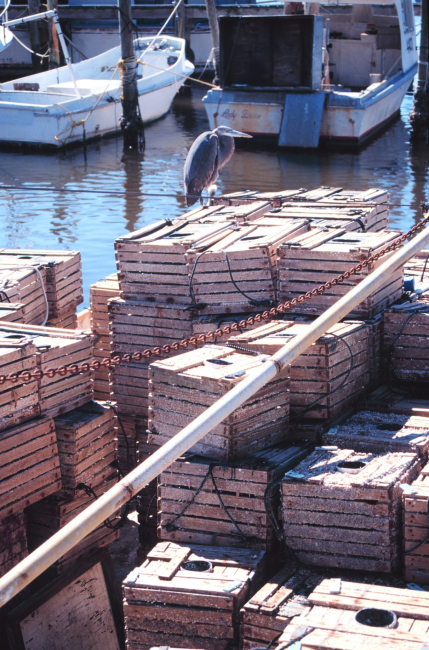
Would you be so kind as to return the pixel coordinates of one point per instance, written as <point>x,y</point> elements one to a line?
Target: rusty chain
<point>210,337</point>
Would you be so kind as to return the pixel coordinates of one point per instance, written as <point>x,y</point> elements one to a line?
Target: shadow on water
<point>84,200</point>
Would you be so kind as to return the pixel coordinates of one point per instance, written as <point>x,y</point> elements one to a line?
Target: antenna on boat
<point>54,15</point>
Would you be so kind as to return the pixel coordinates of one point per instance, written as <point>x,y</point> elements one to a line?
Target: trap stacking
<point>289,513</point>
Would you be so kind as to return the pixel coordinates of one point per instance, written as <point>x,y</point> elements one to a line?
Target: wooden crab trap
<point>342,508</point>
<point>328,377</point>
<point>100,293</point>
<point>354,616</point>
<point>317,257</point>
<point>49,515</point>
<point>189,596</point>
<point>184,386</point>
<point>52,347</point>
<point>369,431</point>
<point>225,504</point>
<point>218,268</point>
<point>62,274</point>
<point>405,337</point>
<point>29,463</point>
<point>415,498</point>
<point>87,445</point>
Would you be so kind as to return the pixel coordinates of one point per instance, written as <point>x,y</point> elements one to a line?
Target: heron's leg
<point>211,191</point>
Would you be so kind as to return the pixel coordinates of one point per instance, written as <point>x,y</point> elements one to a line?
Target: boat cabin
<point>338,72</point>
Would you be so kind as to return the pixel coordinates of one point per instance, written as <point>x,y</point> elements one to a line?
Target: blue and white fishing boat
<point>82,101</point>
<point>339,72</point>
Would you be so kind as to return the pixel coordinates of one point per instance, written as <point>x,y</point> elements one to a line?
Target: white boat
<point>342,78</point>
<point>6,38</point>
<point>44,109</point>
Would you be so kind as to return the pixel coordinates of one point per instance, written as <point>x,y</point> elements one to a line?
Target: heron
<point>208,154</point>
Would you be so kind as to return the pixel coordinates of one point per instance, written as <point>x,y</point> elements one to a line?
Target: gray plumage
<point>208,154</point>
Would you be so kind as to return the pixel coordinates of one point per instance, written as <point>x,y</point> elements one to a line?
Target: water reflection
<point>84,200</point>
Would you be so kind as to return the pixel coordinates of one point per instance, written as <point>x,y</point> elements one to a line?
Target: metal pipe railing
<point>65,539</point>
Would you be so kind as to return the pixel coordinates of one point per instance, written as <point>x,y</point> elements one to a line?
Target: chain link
<point>210,337</point>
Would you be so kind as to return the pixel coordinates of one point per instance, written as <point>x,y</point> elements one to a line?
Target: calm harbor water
<point>82,201</point>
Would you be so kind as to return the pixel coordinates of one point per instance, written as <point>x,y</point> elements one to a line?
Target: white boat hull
<point>6,38</point>
<point>57,117</point>
<point>347,117</point>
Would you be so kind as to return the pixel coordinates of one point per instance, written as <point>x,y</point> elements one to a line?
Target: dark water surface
<point>81,201</point>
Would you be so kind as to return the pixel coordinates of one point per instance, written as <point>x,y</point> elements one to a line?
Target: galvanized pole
<point>60,543</point>
<point>131,122</point>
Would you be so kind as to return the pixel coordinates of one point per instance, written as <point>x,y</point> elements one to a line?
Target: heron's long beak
<point>239,134</point>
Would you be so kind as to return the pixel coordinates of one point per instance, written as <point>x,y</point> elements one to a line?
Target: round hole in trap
<point>14,336</point>
<point>389,426</point>
<point>25,257</point>
<point>201,566</point>
<point>373,617</point>
<point>220,362</point>
<point>350,466</point>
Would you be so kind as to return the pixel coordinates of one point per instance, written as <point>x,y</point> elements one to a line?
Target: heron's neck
<point>226,149</point>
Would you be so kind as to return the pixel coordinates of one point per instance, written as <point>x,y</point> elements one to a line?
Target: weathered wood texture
<point>166,604</point>
<point>11,312</point>
<point>19,401</point>
<point>48,516</point>
<point>220,267</point>
<point>126,433</point>
<point>23,286</point>
<point>405,341</point>
<point>331,622</point>
<point>328,377</point>
<point>29,465</point>
<point>13,541</point>
<point>87,445</point>
<point>418,267</point>
<point>147,498</point>
<point>332,216</point>
<point>265,616</point>
<point>329,195</point>
<point>316,257</point>
<point>225,505</point>
<point>62,273</point>
<point>100,293</point>
<point>334,518</point>
<point>68,321</point>
<point>183,387</point>
<point>137,325</point>
<point>416,529</point>
<point>406,399</point>
<point>77,613</point>
<point>374,432</point>
<point>55,348</point>
<point>375,332</point>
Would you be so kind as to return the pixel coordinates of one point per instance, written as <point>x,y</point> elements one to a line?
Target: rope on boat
<point>42,56</point>
<point>74,124</point>
<point>176,74</point>
<point>163,27</point>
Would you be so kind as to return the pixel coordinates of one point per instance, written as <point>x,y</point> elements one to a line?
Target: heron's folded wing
<point>201,163</point>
